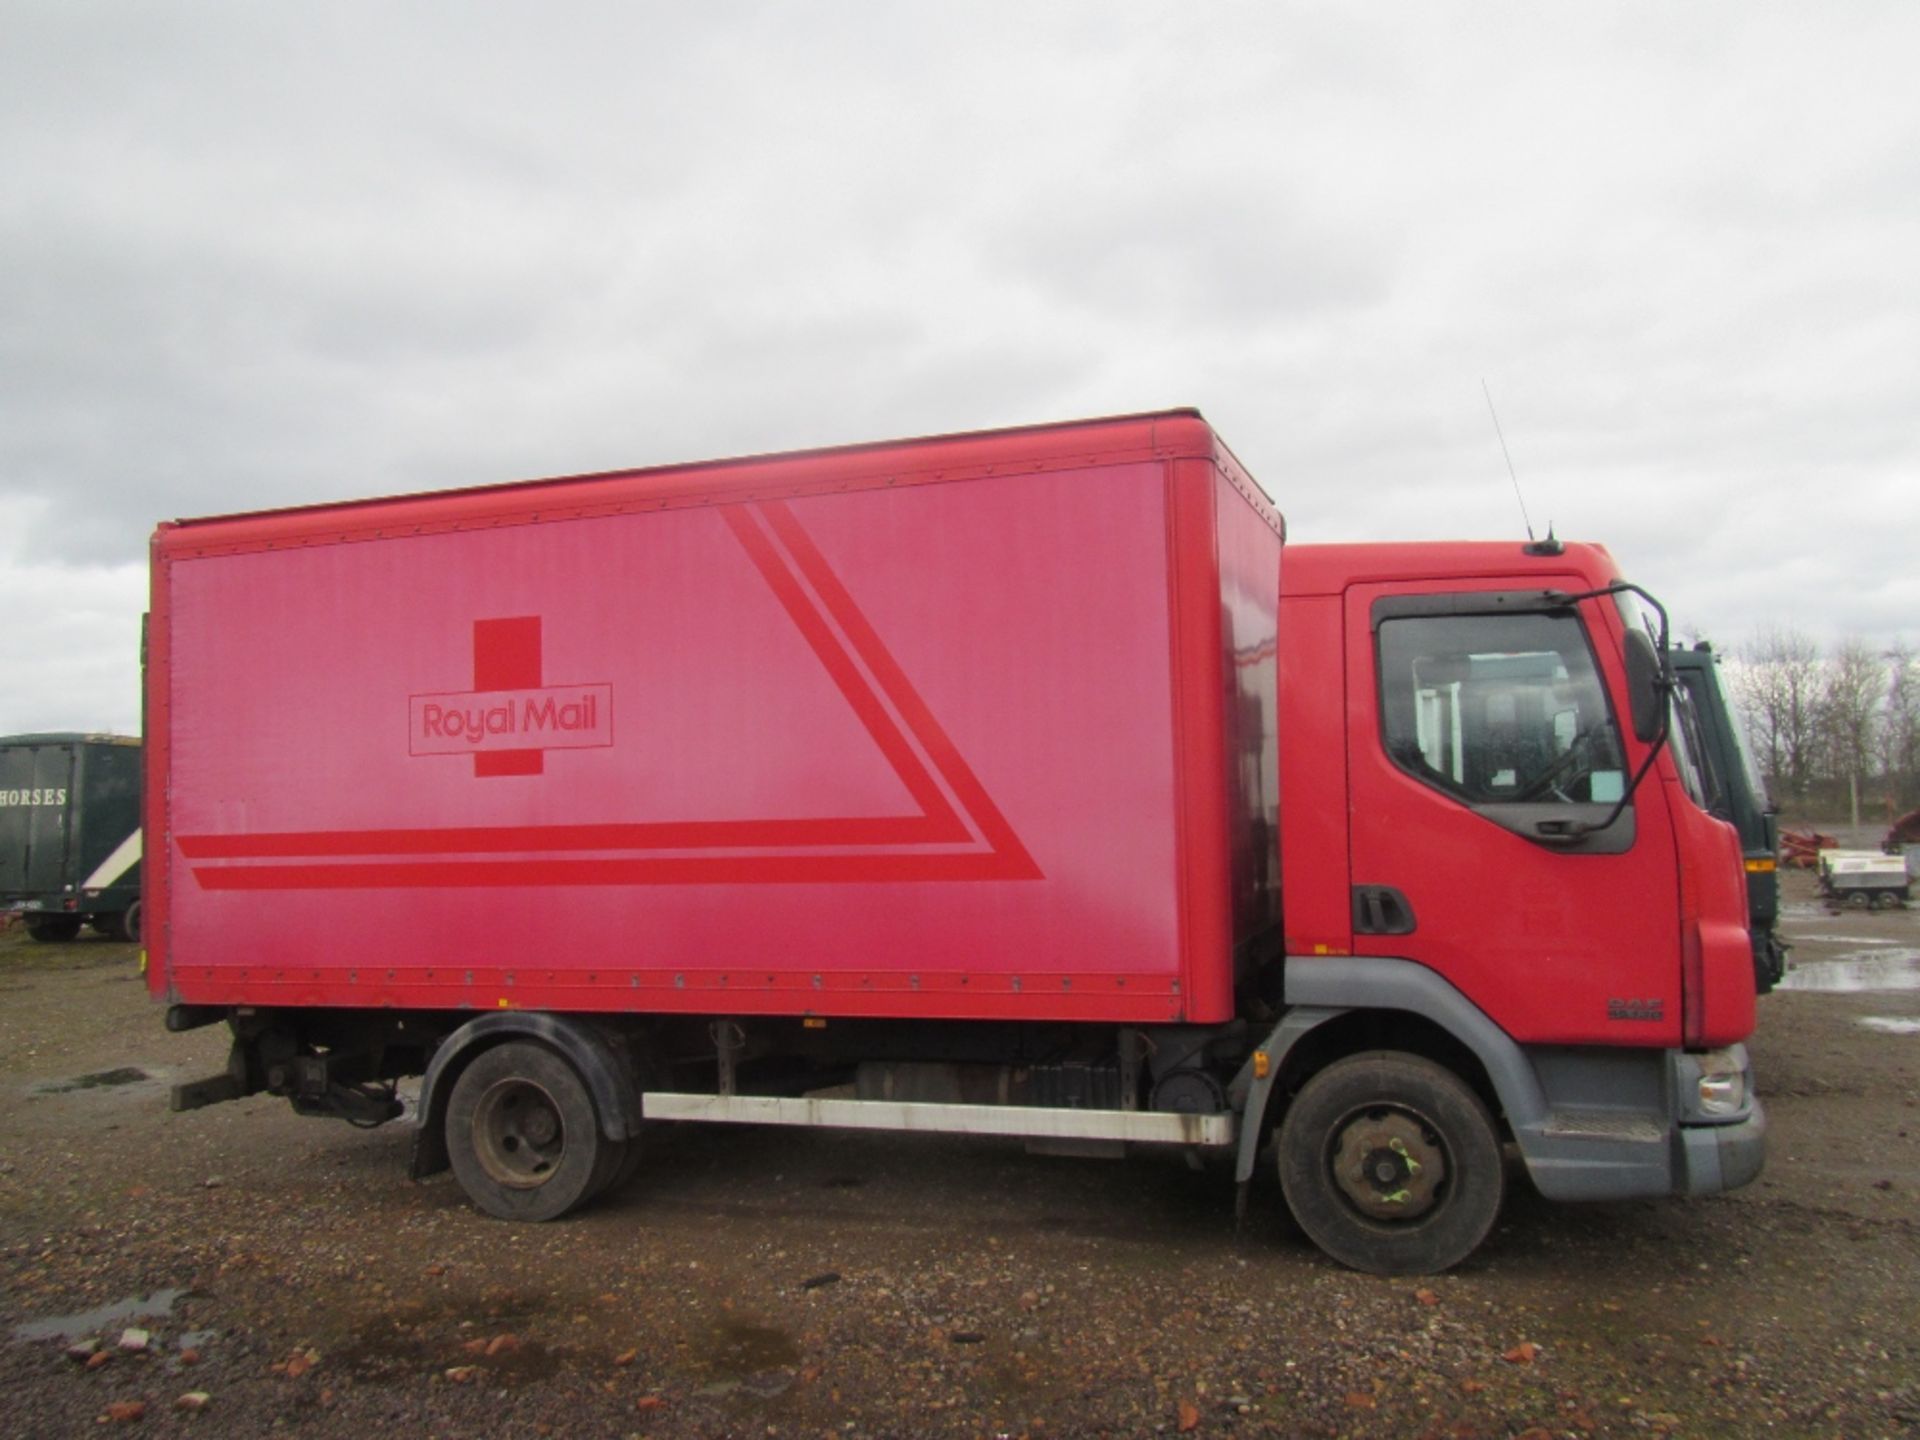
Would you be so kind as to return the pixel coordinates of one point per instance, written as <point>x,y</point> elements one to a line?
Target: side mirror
<point>1646,687</point>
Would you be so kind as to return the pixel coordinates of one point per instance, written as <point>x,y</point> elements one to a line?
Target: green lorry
<point>1740,798</point>
<point>70,834</point>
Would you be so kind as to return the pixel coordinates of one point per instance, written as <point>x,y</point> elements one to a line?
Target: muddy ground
<point>760,1283</point>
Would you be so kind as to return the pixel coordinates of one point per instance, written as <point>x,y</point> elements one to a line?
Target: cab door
<point>1487,741</point>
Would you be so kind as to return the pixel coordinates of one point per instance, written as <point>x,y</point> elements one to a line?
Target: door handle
<point>1381,910</point>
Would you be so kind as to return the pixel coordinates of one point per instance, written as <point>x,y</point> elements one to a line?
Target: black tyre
<point>53,928</point>
<point>523,1136</point>
<point>1858,900</point>
<point>126,925</point>
<point>1886,900</point>
<point>1391,1164</point>
<point>619,1159</point>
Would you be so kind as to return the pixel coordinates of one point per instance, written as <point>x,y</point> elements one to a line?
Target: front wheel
<point>1391,1164</point>
<point>523,1136</point>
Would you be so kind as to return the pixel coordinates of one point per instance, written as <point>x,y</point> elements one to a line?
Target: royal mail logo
<point>572,717</point>
<point>510,718</point>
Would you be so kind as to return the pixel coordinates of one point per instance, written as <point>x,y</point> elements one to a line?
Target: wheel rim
<point>1389,1163</point>
<point>518,1133</point>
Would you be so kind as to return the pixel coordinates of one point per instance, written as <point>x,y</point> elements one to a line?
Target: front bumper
<point>1711,1158</point>
<point>1637,1124</point>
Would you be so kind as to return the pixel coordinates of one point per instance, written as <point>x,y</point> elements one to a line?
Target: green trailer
<point>70,834</point>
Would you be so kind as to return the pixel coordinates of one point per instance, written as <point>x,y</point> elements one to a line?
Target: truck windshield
<point>1495,709</point>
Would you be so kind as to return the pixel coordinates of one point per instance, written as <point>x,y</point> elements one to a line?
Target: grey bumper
<point>1631,1125</point>
<point>1713,1158</point>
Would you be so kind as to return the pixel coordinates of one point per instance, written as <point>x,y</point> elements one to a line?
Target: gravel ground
<point>775,1283</point>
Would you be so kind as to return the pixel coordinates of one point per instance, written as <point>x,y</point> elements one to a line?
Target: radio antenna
<point>1524,519</point>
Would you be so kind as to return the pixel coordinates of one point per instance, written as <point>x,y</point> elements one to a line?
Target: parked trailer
<point>70,833</point>
<point>1864,880</point>
<point>934,785</point>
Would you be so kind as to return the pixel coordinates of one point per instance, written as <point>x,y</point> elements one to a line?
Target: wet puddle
<point>1891,1025</point>
<point>157,1306</point>
<point>1894,968</point>
<point>414,1337</point>
<point>1805,937</point>
<point>755,1359</point>
<point>98,1080</point>
<point>740,1349</point>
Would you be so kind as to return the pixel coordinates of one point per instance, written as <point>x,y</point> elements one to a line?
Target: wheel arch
<point>598,1058</point>
<point>1346,1004</point>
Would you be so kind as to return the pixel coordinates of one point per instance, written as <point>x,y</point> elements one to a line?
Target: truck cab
<point>1488,820</point>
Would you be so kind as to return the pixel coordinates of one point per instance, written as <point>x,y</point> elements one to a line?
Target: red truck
<point>936,786</point>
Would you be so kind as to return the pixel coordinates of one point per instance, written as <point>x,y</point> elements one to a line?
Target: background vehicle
<point>1737,792</point>
<point>70,833</point>
<point>935,785</point>
<point>1864,880</point>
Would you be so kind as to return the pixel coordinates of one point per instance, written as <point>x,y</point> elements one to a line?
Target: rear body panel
<point>931,729</point>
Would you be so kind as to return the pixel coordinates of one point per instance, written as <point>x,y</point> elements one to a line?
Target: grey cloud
<point>253,257</point>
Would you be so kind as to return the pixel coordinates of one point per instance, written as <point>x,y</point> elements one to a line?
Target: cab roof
<point>1330,569</point>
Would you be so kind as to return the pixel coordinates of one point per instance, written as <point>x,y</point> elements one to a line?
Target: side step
<point>1145,1126</point>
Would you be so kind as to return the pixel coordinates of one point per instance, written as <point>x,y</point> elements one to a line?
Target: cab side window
<point>1499,709</point>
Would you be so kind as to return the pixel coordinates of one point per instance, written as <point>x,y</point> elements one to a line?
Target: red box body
<point>975,727</point>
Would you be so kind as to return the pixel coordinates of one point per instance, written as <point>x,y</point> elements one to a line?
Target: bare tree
<point>1852,685</point>
<point>1779,686</point>
<point>1900,724</point>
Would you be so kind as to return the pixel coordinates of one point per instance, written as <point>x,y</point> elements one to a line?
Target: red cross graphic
<point>506,656</point>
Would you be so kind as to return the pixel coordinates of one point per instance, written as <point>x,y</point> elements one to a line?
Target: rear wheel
<point>53,928</point>
<point>1391,1164</point>
<point>1886,900</point>
<point>126,925</point>
<point>523,1136</point>
<point>1858,900</point>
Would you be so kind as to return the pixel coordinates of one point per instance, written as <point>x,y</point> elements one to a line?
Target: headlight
<point>1723,1094</point>
<point>1723,1083</point>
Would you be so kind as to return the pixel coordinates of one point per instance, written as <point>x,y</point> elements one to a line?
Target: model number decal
<point>1636,1009</point>
<point>33,797</point>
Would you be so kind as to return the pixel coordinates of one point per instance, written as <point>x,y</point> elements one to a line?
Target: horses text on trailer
<point>930,785</point>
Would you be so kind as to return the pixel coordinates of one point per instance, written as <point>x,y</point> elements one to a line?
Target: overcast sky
<point>255,255</point>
